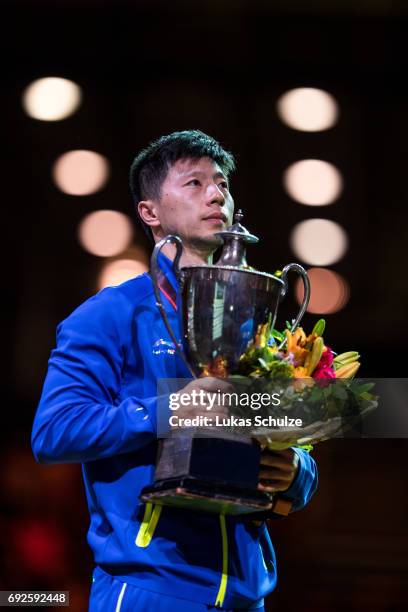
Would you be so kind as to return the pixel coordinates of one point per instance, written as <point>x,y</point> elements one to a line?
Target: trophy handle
<point>306,284</point>
<point>155,272</point>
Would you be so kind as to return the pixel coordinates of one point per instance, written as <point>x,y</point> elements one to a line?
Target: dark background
<point>148,68</point>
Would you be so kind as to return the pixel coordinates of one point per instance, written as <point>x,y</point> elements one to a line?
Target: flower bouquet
<point>315,387</point>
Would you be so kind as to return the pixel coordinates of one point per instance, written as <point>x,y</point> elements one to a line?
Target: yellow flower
<point>302,379</point>
<point>300,372</point>
<point>295,344</point>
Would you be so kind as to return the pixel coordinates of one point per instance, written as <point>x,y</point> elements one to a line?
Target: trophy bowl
<point>222,309</point>
<point>222,306</point>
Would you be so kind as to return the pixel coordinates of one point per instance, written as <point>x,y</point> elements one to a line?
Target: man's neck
<point>191,256</point>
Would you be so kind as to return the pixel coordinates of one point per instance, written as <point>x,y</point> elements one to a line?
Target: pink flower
<point>324,368</point>
<point>324,373</point>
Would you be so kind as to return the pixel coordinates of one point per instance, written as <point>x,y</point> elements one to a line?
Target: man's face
<point>195,202</point>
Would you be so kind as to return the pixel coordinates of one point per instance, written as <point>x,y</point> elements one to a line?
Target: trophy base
<point>206,496</point>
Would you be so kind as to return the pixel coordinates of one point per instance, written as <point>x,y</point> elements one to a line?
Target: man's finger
<point>213,385</point>
<point>275,474</point>
<point>277,462</point>
<point>286,453</point>
<point>272,486</point>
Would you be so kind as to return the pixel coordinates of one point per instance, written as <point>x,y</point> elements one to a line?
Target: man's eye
<point>193,182</point>
<point>223,184</point>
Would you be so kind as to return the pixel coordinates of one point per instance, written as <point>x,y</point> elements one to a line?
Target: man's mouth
<point>216,218</point>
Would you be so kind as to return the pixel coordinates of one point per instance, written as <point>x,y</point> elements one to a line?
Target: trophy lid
<point>235,238</point>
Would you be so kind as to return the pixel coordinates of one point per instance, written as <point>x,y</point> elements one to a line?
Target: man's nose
<point>215,194</point>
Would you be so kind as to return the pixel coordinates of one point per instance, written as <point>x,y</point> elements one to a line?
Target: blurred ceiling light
<point>313,182</point>
<point>116,272</point>
<point>330,292</point>
<point>80,172</point>
<point>105,233</point>
<point>319,242</point>
<point>308,109</point>
<point>51,99</point>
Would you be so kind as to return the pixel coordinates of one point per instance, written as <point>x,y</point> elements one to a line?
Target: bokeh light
<point>313,182</point>
<point>51,99</point>
<point>330,292</point>
<point>105,232</point>
<point>308,109</point>
<point>118,271</point>
<point>319,242</point>
<point>80,172</point>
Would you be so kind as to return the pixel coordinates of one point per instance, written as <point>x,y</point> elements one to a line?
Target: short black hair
<point>150,167</point>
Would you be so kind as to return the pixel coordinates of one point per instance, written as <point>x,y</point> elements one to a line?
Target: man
<point>98,407</point>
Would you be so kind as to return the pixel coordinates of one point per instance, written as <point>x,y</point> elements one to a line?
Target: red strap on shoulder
<point>167,289</point>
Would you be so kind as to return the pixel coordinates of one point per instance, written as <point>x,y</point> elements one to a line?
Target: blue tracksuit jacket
<point>98,407</point>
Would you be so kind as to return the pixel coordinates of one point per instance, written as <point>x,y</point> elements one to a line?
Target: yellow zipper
<point>224,576</point>
<point>149,524</point>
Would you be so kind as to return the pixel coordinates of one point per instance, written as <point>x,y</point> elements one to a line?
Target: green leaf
<point>319,327</point>
<point>263,363</point>
<point>367,396</point>
<point>360,389</point>
<point>278,335</point>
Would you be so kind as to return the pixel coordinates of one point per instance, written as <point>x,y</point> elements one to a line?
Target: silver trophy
<point>222,307</point>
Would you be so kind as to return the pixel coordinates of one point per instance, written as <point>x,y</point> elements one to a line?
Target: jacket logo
<point>163,347</point>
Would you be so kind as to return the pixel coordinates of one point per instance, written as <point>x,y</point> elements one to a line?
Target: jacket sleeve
<point>79,417</point>
<point>305,483</point>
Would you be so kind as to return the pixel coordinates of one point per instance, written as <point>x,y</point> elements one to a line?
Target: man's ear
<point>148,212</point>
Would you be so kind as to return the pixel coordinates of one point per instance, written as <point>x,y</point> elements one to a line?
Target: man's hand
<point>203,393</point>
<point>278,470</point>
